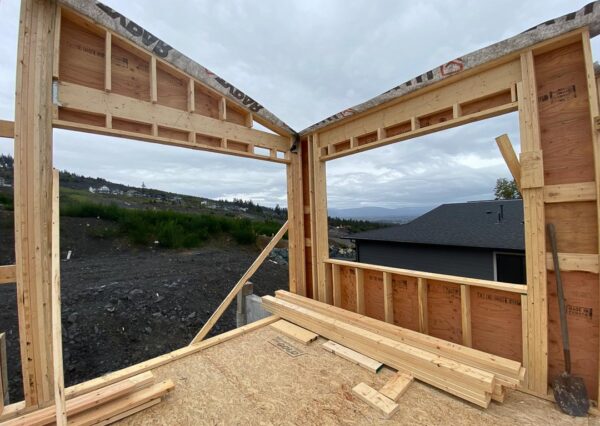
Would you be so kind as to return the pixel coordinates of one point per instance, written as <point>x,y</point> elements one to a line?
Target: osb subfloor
<point>250,381</point>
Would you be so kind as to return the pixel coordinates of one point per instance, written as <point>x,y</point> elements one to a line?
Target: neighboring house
<point>480,239</point>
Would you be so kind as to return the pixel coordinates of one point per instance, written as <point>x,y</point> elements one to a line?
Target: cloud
<point>306,60</point>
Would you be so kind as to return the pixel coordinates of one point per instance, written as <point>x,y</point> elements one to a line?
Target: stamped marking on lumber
<point>281,344</point>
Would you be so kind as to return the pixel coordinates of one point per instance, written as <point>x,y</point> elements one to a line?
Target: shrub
<point>171,229</point>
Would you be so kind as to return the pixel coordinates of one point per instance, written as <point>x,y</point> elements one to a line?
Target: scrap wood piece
<point>466,382</point>
<point>375,399</point>
<point>104,412</point>
<point>293,331</point>
<point>85,402</point>
<point>507,372</point>
<point>396,386</point>
<point>131,412</point>
<point>353,356</point>
<point>499,393</point>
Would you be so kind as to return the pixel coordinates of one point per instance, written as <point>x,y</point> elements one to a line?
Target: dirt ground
<point>122,304</point>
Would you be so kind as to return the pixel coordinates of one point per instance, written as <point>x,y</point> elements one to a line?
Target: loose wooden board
<point>396,387</point>
<point>376,400</point>
<point>353,356</point>
<point>300,334</point>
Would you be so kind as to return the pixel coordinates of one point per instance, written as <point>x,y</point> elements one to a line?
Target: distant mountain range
<point>380,214</point>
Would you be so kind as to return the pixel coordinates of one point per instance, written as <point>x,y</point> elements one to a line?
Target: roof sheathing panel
<point>588,15</point>
<point>130,30</point>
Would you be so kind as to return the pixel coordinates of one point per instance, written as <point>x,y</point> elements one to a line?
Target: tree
<point>506,189</point>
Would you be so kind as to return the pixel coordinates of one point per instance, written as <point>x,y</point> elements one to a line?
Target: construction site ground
<point>250,380</point>
<point>124,304</point>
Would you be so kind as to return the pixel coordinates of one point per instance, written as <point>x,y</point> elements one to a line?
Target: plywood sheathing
<point>586,16</point>
<point>249,381</point>
<point>130,30</point>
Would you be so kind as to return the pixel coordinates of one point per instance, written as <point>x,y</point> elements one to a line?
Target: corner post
<point>320,238</point>
<point>33,196</point>
<point>296,220</point>
<point>532,186</point>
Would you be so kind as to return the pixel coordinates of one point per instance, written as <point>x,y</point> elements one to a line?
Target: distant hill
<point>380,214</point>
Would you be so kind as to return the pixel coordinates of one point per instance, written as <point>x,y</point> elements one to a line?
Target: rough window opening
<point>153,238</point>
<point>428,204</point>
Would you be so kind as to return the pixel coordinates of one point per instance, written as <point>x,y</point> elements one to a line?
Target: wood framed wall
<point>79,74</point>
<point>113,77</point>
<point>552,86</point>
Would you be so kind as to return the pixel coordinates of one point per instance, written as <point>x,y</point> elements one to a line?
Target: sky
<point>305,60</point>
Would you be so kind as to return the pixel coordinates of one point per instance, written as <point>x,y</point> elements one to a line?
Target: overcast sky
<point>305,60</point>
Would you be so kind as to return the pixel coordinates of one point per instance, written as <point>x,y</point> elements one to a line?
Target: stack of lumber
<point>467,373</point>
<point>105,405</point>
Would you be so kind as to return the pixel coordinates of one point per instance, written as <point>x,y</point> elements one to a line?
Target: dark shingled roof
<point>472,224</point>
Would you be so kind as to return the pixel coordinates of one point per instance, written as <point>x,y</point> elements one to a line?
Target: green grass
<point>171,229</point>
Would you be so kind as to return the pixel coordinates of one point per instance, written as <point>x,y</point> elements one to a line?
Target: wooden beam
<point>478,86</point>
<point>154,138</point>
<point>422,131</point>
<point>360,291</point>
<point>310,144</point>
<point>570,192</point>
<point>8,274</point>
<point>222,109</point>
<point>535,233</point>
<point>456,110</point>
<point>191,96</point>
<point>299,334</point>
<point>422,301</point>
<point>130,412</point>
<point>337,287</point>
<point>425,366</point>
<point>124,404</point>
<point>397,386</point>
<point>7,129</point>
<point>454,279</point>
<point>234,291</point>
<point>388,297</point>
<point>297,281</point>
<point>321,235</point>
<point>86,402</point>
<point>574,262</point>
<point>465,314</point>
<point>108,61</point>
<point>594,110</point>
<point>508,153</point>
<point>98,102</point>
<point>370,396</point>
<point>508,372</point>
<point>57,358</point>
<point>56,47</point>
<point>19,408</point>
<point>3,372</point>
<point>525,337</point>
<point>354,357</point>
<point>153,80</point>
<point>33,196</point>
<point>532,170</point>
